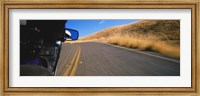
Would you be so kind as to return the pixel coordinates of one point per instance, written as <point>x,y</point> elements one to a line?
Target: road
<point>101,59</point>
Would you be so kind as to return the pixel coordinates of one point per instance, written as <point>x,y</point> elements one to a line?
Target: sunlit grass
<point>154,35</point>
<point>150,43</point>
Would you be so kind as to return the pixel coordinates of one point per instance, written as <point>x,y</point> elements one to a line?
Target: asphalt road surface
<point>101,59</point>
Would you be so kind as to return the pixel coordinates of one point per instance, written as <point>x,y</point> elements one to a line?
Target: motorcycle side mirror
<point>71,34</point>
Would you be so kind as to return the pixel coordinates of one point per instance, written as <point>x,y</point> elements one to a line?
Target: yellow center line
<point>67,65</point>
<point>71,63</point>
<point>76,63</point>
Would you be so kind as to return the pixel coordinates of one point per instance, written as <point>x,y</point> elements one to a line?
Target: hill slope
<point>157,35</point>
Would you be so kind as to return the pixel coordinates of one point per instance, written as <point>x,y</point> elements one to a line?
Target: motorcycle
<point>40,45</point>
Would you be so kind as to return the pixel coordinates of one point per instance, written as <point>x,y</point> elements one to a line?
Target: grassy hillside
<point>157,35</point>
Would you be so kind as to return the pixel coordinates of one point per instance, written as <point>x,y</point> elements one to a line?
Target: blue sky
<point>87,27</point>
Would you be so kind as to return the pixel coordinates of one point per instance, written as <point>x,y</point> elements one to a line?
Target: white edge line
<point>143,53</point>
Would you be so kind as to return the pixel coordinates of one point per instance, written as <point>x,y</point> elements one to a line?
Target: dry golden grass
<point>165,29</point>
<point>144,43</point>
<point>155,35</point>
